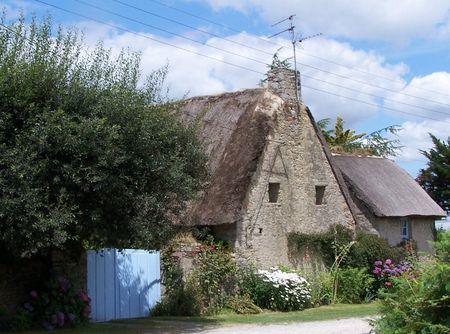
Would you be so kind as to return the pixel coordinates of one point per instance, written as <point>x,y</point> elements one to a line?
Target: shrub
<point>321,284</point>
<point>59,305</point>
<point>184,301</point>
<point>17,321</point>
<point>353,285</point>
<point>370,248</point>
<point>214,276</point>
<point>250,283</point>
<point>204,290</point>
<point>277,290</point>
<point>420,303</point>
<point>242,304</point>
<point>385,271</point>
<point>325,244</point>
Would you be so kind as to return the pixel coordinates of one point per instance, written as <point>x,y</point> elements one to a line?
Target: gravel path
<point>343,326</point>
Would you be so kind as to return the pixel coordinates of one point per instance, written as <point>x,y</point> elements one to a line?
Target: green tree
<point>87,158</point>
<point>343,140</point>
<point>435,178</point>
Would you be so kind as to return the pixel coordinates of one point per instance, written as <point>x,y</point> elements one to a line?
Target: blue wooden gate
<point>122,284</point>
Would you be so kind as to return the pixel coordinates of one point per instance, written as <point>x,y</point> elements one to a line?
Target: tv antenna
<point>294,40</point>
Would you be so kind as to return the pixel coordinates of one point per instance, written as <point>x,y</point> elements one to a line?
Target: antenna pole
<point>294,40</point>
<point>296,74</point>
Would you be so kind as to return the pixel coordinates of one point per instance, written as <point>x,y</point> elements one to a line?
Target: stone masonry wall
<point>294,158</point>
<point>18,278</point>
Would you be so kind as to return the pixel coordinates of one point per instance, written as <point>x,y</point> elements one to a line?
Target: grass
<point>192,324</point>
<point>331,312</point>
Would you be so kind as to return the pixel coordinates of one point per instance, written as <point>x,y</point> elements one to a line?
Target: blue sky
<point>394,56</point>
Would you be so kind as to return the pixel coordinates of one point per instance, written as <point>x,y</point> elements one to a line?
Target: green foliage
<point>418,304</point>
<point>17,321</point>
<point>86,156</point>
<point>214,276</point>
<point>251,284</point>
<point>369,248</point>
<point>181,298</point>
<point>343,140</point>
<point>435,178</point>
<point>58,305</point>
<point>322,285</point>
<point>325,244</point>
<point>275,289</point>
<point>354,285</point>
<point>184,301</point>
<point>242,304</point>
<point>206,289</point>
<point>442,246</point>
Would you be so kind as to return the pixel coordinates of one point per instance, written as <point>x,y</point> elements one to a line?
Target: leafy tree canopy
<point>348,141</point>
<point>86,155</point>
<point>435,178</point>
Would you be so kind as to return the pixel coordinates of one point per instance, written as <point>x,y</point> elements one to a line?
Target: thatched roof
<point>233,127</point>
<point>385,188</point>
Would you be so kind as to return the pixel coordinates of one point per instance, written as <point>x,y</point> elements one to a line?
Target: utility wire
<point>252,48</point>
<point>285,45</point>
<point>372,85</point>
<point>169,32</point>
<point>371,73</point>
<point>193,28</point>
<point>374,95</point>
<point>147,37</point>
<point>245,57</point>
<point>225,62</point>
<point>374,104</point>
<point>197,16</point>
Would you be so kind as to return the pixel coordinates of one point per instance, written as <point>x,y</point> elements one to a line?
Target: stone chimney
<point>281,81</point>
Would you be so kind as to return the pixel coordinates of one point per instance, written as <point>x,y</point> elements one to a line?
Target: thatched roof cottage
<point>272,172</point>
<point>389,199</point>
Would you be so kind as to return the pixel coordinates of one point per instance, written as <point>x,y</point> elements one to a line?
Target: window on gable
<point>274,191</point>
<point>405,225</point>
<point>320,195</point>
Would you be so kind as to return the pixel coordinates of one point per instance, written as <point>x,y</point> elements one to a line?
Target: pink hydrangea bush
<point>58,305</point>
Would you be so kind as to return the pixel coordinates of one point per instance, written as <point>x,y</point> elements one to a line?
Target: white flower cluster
<point>292,289</point>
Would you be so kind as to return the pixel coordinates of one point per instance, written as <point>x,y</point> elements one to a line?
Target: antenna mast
<point>294,40</point>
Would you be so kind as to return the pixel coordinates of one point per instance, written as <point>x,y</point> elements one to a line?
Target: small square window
<point>320,195</point>
<point>274,190</point>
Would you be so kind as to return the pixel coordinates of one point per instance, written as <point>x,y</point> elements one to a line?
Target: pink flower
<point>34,294</point>
<point>388,262</point>
<point>388,284</point>
<point>83,297</point>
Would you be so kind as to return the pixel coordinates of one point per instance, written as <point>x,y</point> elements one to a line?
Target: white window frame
<point>405,228</point>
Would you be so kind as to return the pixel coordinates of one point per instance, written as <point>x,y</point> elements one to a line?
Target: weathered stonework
<point>294,158</point>
<point>17,279</point>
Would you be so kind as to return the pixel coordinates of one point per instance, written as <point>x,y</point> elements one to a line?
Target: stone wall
<point>293,158</point>
<point>18,278</point>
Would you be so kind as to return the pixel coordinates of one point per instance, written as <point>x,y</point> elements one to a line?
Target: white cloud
<point>430,93</point>
<point>196,75</point>
<point>415,137</point>
<point>387,20</point>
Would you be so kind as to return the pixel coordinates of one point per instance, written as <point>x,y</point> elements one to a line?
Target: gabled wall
<point>294,158</point>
